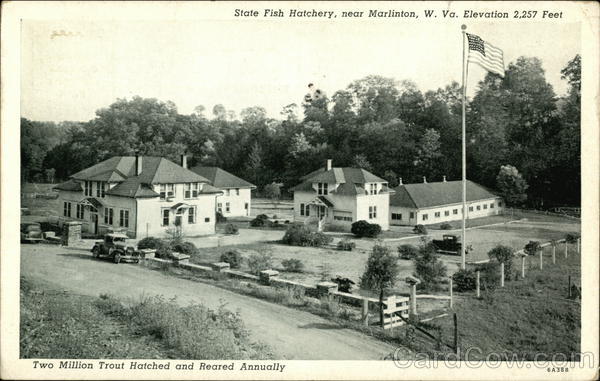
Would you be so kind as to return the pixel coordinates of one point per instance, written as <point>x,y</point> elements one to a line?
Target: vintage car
<point>116,247</point>
<point>449,244</point>
<point>31,232</point>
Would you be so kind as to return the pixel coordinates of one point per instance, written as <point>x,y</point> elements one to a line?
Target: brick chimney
<point>424,180</point>
<point>184,161</point>
<point>444,178</point>
<point>328,167</point>
<point>138,164</point>
<point>400,181</point>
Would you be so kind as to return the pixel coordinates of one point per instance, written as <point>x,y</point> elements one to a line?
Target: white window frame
<point>301,209</point>
<point>220,207</point>
<point>322,189</point>
<point>162,217</point>
<point>237,191</point>
<point>108,216</point>
<point>425,216</point>
<point>124,218</point>
<point>187,191</point>
<point>192,215</point>
<point>227,207</point>
<point>195,189</point>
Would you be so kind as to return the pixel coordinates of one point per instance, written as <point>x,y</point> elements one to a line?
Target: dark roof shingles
<point>424,195</point>
<point>220,178</point>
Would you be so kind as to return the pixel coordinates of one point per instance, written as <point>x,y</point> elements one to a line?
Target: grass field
<point>58,324</point>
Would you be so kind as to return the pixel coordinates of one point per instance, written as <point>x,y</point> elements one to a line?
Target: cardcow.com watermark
<point>474,358</point>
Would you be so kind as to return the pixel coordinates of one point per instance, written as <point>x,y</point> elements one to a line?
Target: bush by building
<point>363,228</point>
<point>346,245</point>
<point>221,219</point>
<point>446,226</point>
<point>233,257</point>
<point>231,229</point>
<point>420,229</point>
<point>261,220</point>
<point>162,247</point>
<point>301,235</point>
<point>185,248</point>
<point>407,251</point>
<point>259,262</point>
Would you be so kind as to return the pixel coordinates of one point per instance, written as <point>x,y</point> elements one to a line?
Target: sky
<point>70,69</point>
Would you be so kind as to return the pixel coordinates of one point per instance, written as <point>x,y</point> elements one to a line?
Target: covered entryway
<point>320,208</point>
<point>92,205</point>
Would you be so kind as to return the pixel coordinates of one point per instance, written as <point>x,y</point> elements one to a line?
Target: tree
<point>361,161</point>
<point>428,267</point>
<point>503,254</point>
<point>511,185</point>
<point>273,191</point>
<point>380,273</point>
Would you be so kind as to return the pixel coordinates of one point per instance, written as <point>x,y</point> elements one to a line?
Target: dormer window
<point>372,188</point>
<point>322,188</point>
<point>167,191</point>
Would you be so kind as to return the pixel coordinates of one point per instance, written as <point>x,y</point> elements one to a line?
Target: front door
<point>94,225</point>
<point>321,211</point>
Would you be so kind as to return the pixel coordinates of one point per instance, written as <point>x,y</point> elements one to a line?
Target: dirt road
<point>292,334</point>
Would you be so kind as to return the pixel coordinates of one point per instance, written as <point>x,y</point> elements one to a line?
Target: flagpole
<point>463,245</point>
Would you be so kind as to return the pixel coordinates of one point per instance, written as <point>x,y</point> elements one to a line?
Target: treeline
<point>386,126</point>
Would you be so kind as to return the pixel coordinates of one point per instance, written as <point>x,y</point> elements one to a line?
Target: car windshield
<point>118,239</point>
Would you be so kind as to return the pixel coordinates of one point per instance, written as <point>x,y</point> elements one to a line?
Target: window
<point>100,189</point>
<point>446,213</point>
<point>246,206</point>
<point>165,217</point>
<point>455,211</point>
<point>372,188</point>
<point>108,216</point>
<point>237,191</point>
<point>170,190</point>
<point>322,188</point>
<point>67,209</point>
<point>192,215</point>
<point>227,208</point>
<point>220,208</point>
<point>437,214</point>
<point>79,211</point>
<point>87,188</point>
<point>103,191</point>
<point>195,188</point>
<point>227,192</point>
<point>124,218</point>
<point>492,205</point>
<point>342,218</point>
<point>484,206</point>
<point>187,190</point>
<point>372,212</point>
<point>412,215</point>
<point>470,208</point>
<point>163,191</point>
<point>207,219</point>
<point>478,207</point>
<point>301,209</point>
<point>499,204</point>
<point>396,216</point>
<point>424,217</point>
<point>307,211</point>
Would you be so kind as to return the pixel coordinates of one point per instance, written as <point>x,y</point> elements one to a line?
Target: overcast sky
<point>68,76</point>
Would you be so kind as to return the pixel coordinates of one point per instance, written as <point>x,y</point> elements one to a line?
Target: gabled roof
<point>352,180</point>
<point>121,169</point>
<point>220,178</point>
<point>424,195</point>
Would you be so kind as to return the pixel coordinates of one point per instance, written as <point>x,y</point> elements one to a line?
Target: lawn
<point>526,317</point>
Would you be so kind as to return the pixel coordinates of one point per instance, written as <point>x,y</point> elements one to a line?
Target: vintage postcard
<point>299,190</point>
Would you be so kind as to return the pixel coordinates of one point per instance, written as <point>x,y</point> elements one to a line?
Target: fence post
<point>578,245</point>
<point>456,336</point>
<point>477,281</point>
<point>450,292</point>
<point>566,249</point>
<point>501,274</point>
<point>365,312</point>
<point>553,254</point>
<point>570,294</point>
<point>413,301</point>
<point>541,253</point>
<point>523,266</point>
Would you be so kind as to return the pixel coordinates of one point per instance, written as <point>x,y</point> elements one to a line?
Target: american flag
<point>485,55</point>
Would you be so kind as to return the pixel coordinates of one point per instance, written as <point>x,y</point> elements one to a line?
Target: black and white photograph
<point>235,190</point>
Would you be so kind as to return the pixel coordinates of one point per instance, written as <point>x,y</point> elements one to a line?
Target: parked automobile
<point>116,247</point>
<point>449,244</point>
<point>31,232</point>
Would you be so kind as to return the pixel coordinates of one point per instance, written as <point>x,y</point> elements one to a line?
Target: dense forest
<point>381,124</point>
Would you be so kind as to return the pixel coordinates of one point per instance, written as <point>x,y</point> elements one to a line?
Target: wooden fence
<point>396,308</point>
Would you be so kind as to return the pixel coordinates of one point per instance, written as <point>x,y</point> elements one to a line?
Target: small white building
<point>342,196</point>
<point>236,198</point>
<point>139,195</point>
<point>431,203</point>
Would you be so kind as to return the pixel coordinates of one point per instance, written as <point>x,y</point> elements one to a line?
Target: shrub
<point>490,275</point>
<point>293,265</point>
<point>344,284</point>
<point>571,237</point>
<point>260,221</point>
<point>464,280</point>
<point>259,262</point>
<point>503,254</point>
<point>185,248</point>
<point>420,229</point>
<point>532,247</point>
<point>336,227</point>
<point>428,268</point>
<point>445,226</point>
<point>231,229</point>
<point>221,218</point>
<point>163,249</point>
<point>346,245</point>
<point>301,235</point>
<point>233,257</point>
<point>364,229</point>
<point>407,251</point>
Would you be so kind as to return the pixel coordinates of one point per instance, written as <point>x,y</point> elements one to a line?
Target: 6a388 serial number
<point>533,14</point>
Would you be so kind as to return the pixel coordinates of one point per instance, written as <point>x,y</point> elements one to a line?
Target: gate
<point>394,306</point>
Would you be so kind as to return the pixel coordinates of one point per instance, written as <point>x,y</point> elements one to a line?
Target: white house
<point>342,196</point>
<point>236,198</point>
<point>140,196</point>
<point>431,203</point>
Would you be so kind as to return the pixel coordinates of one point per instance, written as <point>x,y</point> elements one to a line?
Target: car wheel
<point>96,252</point>
<point>117,258</point>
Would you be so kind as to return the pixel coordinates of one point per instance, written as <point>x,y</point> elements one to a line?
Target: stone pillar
<point>501,274</point>
<point>523,266</point>
<point>413,282</point>
<point>71,233</point>
<point>541,254</point>
<point>219,266</point>
<point>265,276</point>
<point>578,245</point>
<point>477,283</point>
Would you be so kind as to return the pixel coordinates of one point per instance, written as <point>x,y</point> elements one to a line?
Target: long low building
<point>431,203</point>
